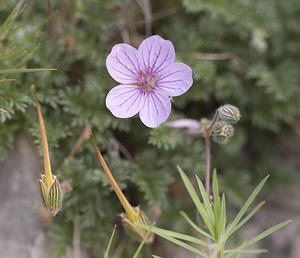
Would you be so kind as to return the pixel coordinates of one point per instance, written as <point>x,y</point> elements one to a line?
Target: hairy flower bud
<point>136,225</point>
<point>222,132</point>
<point>51,194</point>
<point>229,113</point>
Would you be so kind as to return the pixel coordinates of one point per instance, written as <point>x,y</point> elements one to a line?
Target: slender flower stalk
<point>49,185</point>
<point>134,218</point>
<point>207,151</point>
<point>46,155</point>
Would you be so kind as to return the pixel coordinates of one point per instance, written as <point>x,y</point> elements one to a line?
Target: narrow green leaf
<point>223,217</point>
<point>7,71</point>
<point>109,243</point>
<point>27,56</point>
<point>263,234</point>
<point>197,202</point>
<point>7,80</point>
<point>10,19</point>
<point>216,200</point>
<point>160,231</point>
<point>249,216</point>
<point>155,256</point>
<point>12,52</point>
<point>183,245</point>
<point>207,203</point>
<point>142,244</point>
<point>245,207</point>
<point>246,251</point>
<point>202,232</point>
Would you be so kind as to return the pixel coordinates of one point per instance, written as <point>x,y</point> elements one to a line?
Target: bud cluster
<point>223,129</point>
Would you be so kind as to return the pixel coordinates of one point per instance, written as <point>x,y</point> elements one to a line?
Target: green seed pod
<point>51,194</point>
<point>135,225</point>
<point>222,132</point>
<point>229,113</point>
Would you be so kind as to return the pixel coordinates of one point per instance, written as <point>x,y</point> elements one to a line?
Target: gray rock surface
<point>21,231</point>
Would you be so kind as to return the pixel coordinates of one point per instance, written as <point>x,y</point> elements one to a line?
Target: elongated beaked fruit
<point>133,218</point>
<point>49,185</point>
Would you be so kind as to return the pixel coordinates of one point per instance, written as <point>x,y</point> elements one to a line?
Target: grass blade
<point>206,201</point>
<point>216,201</point>
<point>223,217</point>
<point>142,244</point>
<point>246,251</point>
<point>198,229</point>
<point>246,206</point>
<point>249,216</point>
<point>160,231</point>
<point>263,234</point>
<point>184,245</point>
<point>197,201</point>
<point>109,243</point>
<point>7,71</point>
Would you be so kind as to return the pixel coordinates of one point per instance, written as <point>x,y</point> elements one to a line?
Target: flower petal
<point>193,126</point>
<point>125,100</point>
<point>122,64</point>
<point>156,109</point>
<point>175,80</point>
<point>155,54</point>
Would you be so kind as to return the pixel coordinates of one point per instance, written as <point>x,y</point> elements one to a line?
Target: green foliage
<point>215,219</point>
<point>253,63</point>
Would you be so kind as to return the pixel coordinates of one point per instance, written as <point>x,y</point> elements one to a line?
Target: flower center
<point>147,82</point>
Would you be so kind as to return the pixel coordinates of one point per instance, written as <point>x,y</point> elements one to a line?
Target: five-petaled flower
<point>148,77</point>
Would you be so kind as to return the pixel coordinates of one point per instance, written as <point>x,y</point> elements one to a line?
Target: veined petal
<point>155,54</point>
<point>156,109</point>
<point>122,63</point>
<point>125,100</point>
<point>175,80</point>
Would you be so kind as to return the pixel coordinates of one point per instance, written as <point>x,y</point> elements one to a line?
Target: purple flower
<point>148,77</point>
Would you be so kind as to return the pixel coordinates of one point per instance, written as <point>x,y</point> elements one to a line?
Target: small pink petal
<point>122,64</point>
<point>193,126</point>
<point>155,54</point>
<point>156,109</point>
<point>175,80</point>
<point>125,100</point>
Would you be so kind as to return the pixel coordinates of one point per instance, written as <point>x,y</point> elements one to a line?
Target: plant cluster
<point>243,53</point>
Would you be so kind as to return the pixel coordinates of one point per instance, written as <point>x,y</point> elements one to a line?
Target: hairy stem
<point>207,174</point>
<point>207,151</point>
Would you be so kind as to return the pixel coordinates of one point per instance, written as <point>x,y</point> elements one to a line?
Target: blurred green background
<point>245,53</point>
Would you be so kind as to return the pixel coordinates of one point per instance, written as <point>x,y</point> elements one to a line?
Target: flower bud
<point>222,132</point>
<point>136,225</point>
<point>229,113</point>
<point>51,194</point>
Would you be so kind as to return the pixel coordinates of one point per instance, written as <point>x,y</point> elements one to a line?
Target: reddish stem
<point>207,150</point>
<point>207,176</point>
